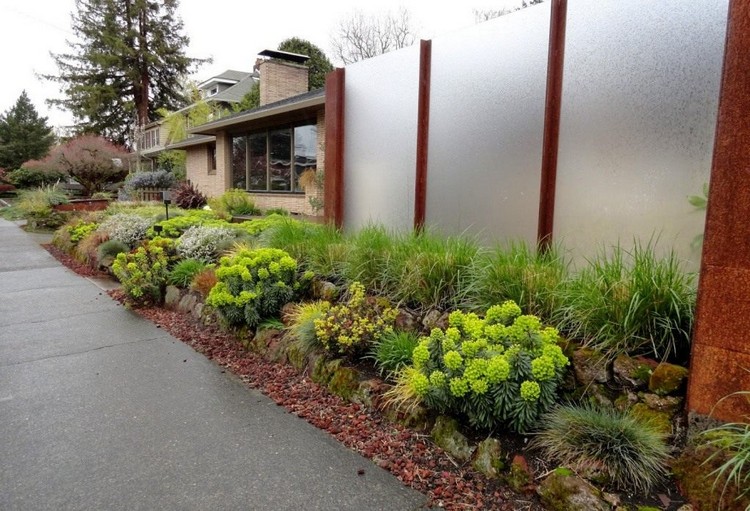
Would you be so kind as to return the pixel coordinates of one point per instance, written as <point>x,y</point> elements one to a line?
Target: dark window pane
<point>305,152</point>
<point>258,160</point>
<point>239,162</point>
<point>280,161</point>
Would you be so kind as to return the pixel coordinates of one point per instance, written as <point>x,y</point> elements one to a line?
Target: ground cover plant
<point>205,243</point>
<point>126,228</point>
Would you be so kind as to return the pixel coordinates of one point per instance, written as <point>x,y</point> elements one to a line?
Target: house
<point>221,92</point>
<point>266,150</point>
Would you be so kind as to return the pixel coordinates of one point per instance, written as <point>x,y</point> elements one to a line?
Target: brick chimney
<point>282,76</point>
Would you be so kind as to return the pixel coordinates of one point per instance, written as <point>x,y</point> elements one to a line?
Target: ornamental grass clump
<point>234,202</point>
<point>350,329</point>
<point>502,370</point>
<point>205,243</point>
<point>604,441</point>
<point>633,303</point>
<point>253,284</point>
<point>183,273</point>
<point>144,271</point>
<point>302,327</point>
<point>393,351</point>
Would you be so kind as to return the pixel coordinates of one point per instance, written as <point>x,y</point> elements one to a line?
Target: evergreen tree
<point>126,63</point>
<point>318,64</point>
<point>23,134</point>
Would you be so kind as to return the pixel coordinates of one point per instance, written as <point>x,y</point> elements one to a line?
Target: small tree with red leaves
<point>92,161</point>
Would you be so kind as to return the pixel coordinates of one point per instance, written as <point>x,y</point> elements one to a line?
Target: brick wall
<point>280,80</point>
<point>196,166</point>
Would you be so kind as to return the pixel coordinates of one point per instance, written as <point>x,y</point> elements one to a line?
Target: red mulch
<point>409,455</point>
<point>81,269</point>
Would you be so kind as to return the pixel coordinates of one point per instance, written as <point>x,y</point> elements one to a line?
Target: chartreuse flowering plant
<point>351,328</point>
<point>144,271</point>
<point>253,284</point>
<point>500,370</point>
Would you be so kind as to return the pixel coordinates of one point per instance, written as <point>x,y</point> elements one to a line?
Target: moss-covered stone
<point>693,469</point>
<point>668,404</point>
<point>324,290</point>
<point>296,357</point>
<point>661,421</point>
<point>630,372</point>
<point>446,435</point>
<point>488,458</point>
<point>564,491</point>
<point>589,366</point>
<point>519,476</point>
<point>323,369</point>
<point>344,382</point>
<point>667,379</point>
<point>625,401</point>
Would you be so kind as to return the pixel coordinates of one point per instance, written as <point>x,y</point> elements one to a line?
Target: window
<point>274,160</point>
<point>211,157</point>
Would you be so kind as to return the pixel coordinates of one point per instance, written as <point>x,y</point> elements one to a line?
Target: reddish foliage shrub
<point>187,196</point>
<point>204,282</point>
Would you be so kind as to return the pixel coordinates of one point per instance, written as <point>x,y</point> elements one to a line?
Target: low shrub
<point>204,243</point>
<point>177,225</point>
<point>350,329</point>
<point>393,351</point>
<point>630,453</point>
<point>128,228</point>
<point>234,202</point>
<point>33,178</point>
<point>302,327</point>
<point>531,278</point>
<point>69,235</point>
<point>107,252</point>
<point>37,206</point>
<point>500,371</point>
<point>144,271</point>
<point>276,211</point>
<point>187,196</point>
<point>632,302</point>
<point>183,273</point>
<point>87,250</point>
<point>150,179</point>
<point>253,284</point>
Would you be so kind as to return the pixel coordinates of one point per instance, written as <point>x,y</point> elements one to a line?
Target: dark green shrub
<point>183,273</point>
<point>632,454</point>
<point>33,178</point>
<point>632,302</point>
<point>500,371</point>
<point>393,351</point>
<point>254,284</point>
<point>144,271</point>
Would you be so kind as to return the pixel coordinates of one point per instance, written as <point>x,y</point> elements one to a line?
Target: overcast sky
<point>231,32</point>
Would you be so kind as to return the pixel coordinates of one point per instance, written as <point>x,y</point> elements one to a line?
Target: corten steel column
<point>423,133</point>
<point>333,188</point>
<point>553,100</point>
<point>720,359</point>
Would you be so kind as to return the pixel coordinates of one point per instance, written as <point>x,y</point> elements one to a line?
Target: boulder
<point>431,319</point>
<point>668,404</point>
<point>519,476</point>
<point>406,321</point>
<point>446,435</point>
<point>625,400</point>
<point>172,297</point>
<point>630,372</point>
<point>661,421</point>
<point>589,366</point>
<point>324,290</point>
<point>667,379</point>
<point>344,382</point>
<point>562,490</point>
<point>488,458</point>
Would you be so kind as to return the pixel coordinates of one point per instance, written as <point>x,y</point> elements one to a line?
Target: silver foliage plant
<point>129,229</point>
<point>204,243</point>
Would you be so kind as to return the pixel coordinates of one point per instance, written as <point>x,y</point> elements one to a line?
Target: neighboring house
<point>266,150</point>
<point>223,90</point>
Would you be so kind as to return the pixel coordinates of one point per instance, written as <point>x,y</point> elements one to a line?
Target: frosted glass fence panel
<point>486,126</point>
<point>381,140</point>
<point>640,98</point>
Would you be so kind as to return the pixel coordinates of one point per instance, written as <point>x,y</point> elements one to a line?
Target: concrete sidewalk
<point>101,410</point>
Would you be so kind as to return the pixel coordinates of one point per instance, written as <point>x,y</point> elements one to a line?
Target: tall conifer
<point>23,134</point>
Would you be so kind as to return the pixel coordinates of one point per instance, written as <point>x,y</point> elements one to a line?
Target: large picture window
<point>274,160</point>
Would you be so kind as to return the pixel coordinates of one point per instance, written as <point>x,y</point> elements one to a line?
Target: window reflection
<point>257,162</point>
<point>305,152</point>
<point>239,162</point>
<point>280,162</point>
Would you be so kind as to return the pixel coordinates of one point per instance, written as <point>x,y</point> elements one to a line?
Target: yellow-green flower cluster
<point>419,383</point>
<point>498,369</point>
<point>543,368</point>
<point>143,272</point>
<point>420,355</point>
<point>453,360</point>
<point>80,230</point>
<point>350,327</point>
<point>530,391</point>
<point>502,314</point>
<point>458,387</point>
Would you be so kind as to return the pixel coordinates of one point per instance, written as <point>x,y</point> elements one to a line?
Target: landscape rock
<point>188,302</point>
<point>431,319</point>
<point>344,382</point>
<point>446,435</point>
<point>626,400</point>
<point>667,379</point>
<point>324,290</point>
<point>630,372</point>
<point>661,421</point>
<point>590,366</point>
<point>668,404</point>
<point>599,395</point>
<point>406,321</point>
<point>519,476</point>
<point>562,490</point>
<point>172,297</point>
<point>488,458</point>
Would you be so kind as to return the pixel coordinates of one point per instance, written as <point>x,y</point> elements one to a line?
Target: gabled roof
<point>308,101</point>
<point>236,92</point>
<point>228,76</point>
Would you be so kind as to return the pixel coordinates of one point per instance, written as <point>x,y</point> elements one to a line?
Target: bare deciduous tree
<point>481,15</point>
<point>361,36</point>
